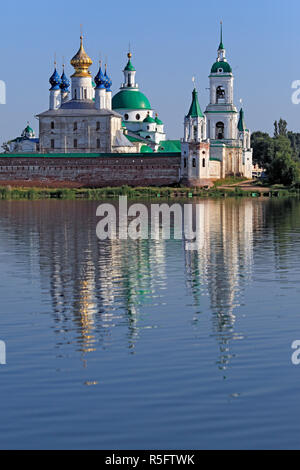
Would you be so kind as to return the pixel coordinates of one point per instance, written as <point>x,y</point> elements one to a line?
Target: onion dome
<point>108,82</point>
<point>149,119</point>
<point>129,65</point>
<point>54,80</point>
<point>158,121</point>
<point>65,82</point>
<point>81,62</point>
<point>100,79</point>
<point>28,132</point>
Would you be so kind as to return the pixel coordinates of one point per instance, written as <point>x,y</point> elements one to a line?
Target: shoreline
<point>32,193</point>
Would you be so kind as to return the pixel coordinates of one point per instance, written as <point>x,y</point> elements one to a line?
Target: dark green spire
<point>129,65</point>
<point>221,46</point>
<point>241,123</point>
<point>195,110</point>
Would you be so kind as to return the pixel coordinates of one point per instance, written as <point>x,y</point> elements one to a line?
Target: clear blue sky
<point>171,41</point>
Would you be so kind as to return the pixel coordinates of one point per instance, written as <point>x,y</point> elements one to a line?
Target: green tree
<point>283,169</point>
<point>263,148</point>
<point>282,127</point>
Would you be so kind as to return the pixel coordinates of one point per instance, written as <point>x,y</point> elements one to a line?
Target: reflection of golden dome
<point>81,62</point>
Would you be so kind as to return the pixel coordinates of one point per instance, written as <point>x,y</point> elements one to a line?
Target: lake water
<point>143,344</point>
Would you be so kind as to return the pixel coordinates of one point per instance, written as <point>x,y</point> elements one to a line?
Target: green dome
<point>146,149</point>
<point>149,119</point>
<point>158,121</point>
<point>130,99</point>
<point>221,65</point>
<point>129,66</point>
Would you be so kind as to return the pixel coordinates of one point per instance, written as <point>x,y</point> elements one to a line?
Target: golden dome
<point>81,62</point>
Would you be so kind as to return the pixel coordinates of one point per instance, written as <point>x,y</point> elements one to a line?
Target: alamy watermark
<point>138,222</point>
<point>296,354</point>
<point>2,92</point>
<point>2,352</point>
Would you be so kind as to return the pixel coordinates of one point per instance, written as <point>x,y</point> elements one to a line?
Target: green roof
<point>221,65</point>
<point>129,66</point>
<point>169,146</point>
<point>158,121</point>
<point>130,99</point>
<point>47,156</point>
<point>149,119</point>
<point>146,149</point>
<point>241,124</point>
<point>195,110</point>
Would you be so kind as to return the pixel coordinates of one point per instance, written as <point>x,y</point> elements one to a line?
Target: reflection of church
<point>223,265</point>
<point>99,287</point>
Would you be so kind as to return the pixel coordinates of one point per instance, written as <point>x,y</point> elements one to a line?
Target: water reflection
<point>98,286</point>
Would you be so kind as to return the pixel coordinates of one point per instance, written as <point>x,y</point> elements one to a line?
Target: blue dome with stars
<point>64,83</point>
<point>54,80</point>
<point>100,79</point>
<point>108,82</point>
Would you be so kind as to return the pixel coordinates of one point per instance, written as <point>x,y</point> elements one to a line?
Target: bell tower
<point>221,114</point>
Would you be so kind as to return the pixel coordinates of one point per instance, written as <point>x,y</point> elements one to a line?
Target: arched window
<point>97,126</point>
<point>203,162</point>
<point>195,132</point>
<point>126,117</point>
<point>220,94</point>
<point>75,94</point>
<point>184,162</point>
<point>194,162</point>
<point>98,143</point>
<point>75,126</point>
<point>85,94</point>
<point>137,117</point>
<point>220,130</point>
<point>75,143</point>
<point>52,125</point>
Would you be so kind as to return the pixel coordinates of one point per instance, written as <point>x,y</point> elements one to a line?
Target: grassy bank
<point>9,193</point>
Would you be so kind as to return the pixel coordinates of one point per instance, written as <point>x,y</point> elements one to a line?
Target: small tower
<point>221,114</point>
<point>82,88</point>
<point>108,84</point>
<point>54,80</point>
<point>194,146</point>
<point>129,74</point>
<point>100,90</point>
<point>64,86</point>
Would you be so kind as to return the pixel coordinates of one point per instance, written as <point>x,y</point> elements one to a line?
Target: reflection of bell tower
<point>221,113</point>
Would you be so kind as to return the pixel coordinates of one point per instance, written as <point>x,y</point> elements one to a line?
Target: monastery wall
<point>71,170</point>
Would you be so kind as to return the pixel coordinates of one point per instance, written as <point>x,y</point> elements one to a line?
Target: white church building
<point>85,122</point>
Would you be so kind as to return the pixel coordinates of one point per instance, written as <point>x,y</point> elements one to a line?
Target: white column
<point>54,101</point>
<point>108,99</point>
